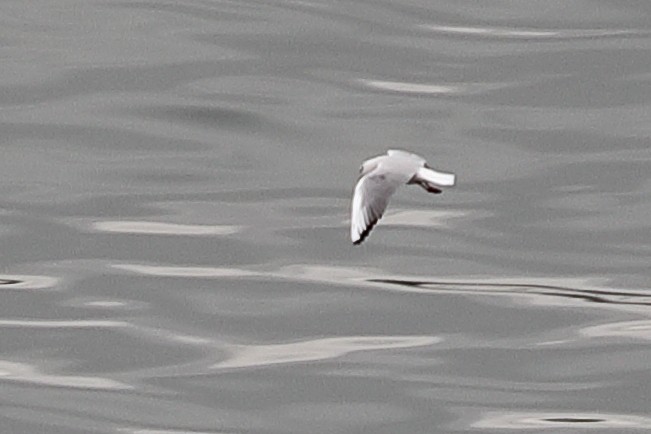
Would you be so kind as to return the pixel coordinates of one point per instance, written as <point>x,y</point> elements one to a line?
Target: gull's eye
<point>361,168</point>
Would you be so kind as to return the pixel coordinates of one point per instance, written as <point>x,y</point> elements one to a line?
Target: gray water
<point>174,194</point>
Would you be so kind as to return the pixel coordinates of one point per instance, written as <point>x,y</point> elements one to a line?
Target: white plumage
<point>380,178</point>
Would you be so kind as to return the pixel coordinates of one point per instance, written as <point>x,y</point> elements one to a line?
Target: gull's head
<point>367,167</point>
<point>370,165</point>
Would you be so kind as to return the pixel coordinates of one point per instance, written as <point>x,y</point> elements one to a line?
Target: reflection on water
<point>423,89</point>
<point>163,228</point>
<point>319,349</point>
<point>168,431</point>
<point>540,291</point>
<point>561,420</point>
<point>54,324</point>
<point>431,89</point>
<point>157,270</point>
<point>25,373</point>
<point>425,218</point>
<point>27,282</point>
<point>503,32</point>
<point>525,288</point>
<point>630,329</point>
<point>95,303</point>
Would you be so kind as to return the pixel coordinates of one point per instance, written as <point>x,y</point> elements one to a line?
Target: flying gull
<point>380,178</point>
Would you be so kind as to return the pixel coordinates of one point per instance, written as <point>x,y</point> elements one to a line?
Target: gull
<point>380,178</point>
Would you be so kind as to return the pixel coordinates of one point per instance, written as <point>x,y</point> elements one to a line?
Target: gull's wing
<point>370,199</point>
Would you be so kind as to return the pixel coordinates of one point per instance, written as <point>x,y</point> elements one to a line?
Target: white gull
<point>380,178</point>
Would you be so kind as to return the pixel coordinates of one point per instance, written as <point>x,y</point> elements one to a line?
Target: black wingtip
<point>365,232</point>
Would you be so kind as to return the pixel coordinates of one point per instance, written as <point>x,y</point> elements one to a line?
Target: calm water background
<point>174,190</point>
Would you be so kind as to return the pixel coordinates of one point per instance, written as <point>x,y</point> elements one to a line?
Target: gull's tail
<point>431,180</point>
<point>441,179</point>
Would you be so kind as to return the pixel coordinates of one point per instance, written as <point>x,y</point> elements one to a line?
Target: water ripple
<point>103,303</point>
<point>614,297</point>
<point>630,329</point>
<point>17,281</point>
<point>25,373</point>
<point>541,291</point>
<point>62,324</point>
<point>160,228</point>
<point>174,271</point>
<point>318,349</point>
<point>559,420</point>
<point>169,431</point>
<point>583,289</point>
<point>396,86</point>
<point>427,218</point>
<point>429,88</point>
<point>530,33</point>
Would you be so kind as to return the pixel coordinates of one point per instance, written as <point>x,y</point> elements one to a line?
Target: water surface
<point>174,194</point>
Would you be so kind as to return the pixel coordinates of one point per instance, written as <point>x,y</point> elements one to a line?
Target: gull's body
<point>380,178</point>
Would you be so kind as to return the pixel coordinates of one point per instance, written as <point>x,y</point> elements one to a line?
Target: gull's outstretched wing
<point>370,199</point>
